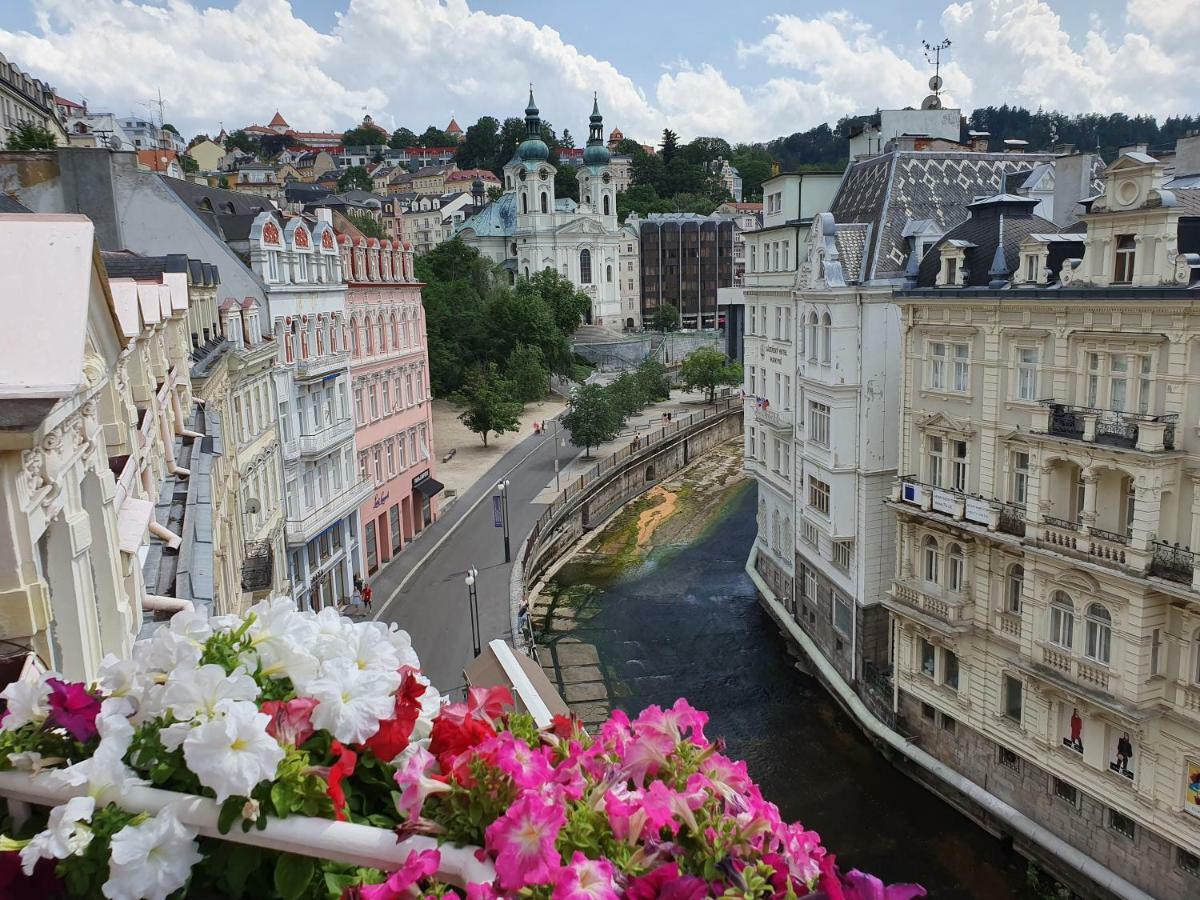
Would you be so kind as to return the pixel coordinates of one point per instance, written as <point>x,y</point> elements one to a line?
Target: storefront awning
<point>428,487</point>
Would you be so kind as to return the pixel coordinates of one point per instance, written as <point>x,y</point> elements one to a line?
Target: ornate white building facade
<point>529,229</point>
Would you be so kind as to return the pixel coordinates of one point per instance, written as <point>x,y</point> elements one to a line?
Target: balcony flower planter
<point>296,755</point>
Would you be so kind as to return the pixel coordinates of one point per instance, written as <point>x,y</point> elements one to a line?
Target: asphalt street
<point>423,590</point>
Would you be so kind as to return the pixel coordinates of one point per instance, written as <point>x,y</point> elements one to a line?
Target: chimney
<point>1187,155</point>
<point>1133,148</point>
<point>324,214</point>
<point>1015,145</point>
<point>978,140</point>
<point>1072,183</point>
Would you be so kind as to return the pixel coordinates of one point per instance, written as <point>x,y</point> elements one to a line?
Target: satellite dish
<point>935,83</point>
<point>114,143</point>
<point>253,506</point>
<point>933,101</point>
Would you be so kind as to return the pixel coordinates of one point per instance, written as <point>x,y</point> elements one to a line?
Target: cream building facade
<point>1046,606</point>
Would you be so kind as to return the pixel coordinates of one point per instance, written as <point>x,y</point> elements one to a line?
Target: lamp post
<point>558,442</point>
<point>502,487</point>
<point>473,607</point>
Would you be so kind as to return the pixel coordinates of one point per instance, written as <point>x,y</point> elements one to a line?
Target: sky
<point>747,71</point>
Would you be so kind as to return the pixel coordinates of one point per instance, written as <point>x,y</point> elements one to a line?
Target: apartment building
<point>1045,601</point>
<point>26,100</point>
<point>393,415</point>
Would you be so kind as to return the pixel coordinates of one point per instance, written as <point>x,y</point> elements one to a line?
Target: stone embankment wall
<point>589,500</point>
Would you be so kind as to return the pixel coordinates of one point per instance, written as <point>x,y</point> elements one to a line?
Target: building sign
<point>978,510</point>
<point>1122,759</point>
<point>497,515</point>
<point>911,492</point>
<point>943,502</point>
<point>381,499</point>
<point>1191,796</point>
<point>417,479</point>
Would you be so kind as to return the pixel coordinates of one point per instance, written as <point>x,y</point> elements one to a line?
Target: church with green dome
<point>528,229</point>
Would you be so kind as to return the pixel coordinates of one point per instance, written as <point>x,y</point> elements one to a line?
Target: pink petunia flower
<point>72,707</point>
<point>528,768</point>
<point>665,883</point>
<point>402,883</point>
<point>586,879</point>
<point>291,720</point>
<point>646,754</point>
<point>416,783</point>
<point>523,841</point>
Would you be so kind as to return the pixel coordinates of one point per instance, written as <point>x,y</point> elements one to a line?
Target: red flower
<point>665,883</point>
<point>452,737</point>
<point>392,737</point>
<point>73,708</point>
<point>342,768</point>
<point>291,720</point>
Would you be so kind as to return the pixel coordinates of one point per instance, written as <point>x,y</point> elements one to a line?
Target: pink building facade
<point>389,365</point>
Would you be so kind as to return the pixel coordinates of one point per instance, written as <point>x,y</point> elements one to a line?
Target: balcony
<point>313,521</point>
<point>994,515</point>
<point>320,366</point>
<point>1095,544</point>
<point>943,615</point>
<point>1087,673</point>
<point>1107,427</point>
<point>780,420</point>
<point>258,565</point>
<point>317,442</point>
<point>1174,563</point>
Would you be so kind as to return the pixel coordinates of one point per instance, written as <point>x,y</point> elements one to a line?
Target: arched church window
<point>545,202</point>
<point>524,203</point>
<point>608,274</point>
<point>606,206</point>
<point>585,266</point>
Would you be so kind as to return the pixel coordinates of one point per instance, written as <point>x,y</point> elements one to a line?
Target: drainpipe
<point>169,537</point>
<point>167,604</point>
<point>992,805</point>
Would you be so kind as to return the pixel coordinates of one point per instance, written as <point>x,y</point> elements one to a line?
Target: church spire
<point>596,154</point>
<point>533,148</point>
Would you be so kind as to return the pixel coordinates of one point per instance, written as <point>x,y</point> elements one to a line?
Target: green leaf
<point>242,860</point>
<point>337,884</point>
<point>230,810</point>
<point>292,875</point>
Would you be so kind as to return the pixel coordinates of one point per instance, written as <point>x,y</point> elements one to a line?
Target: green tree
<point>664,318</point>
<point>167,126</point>
<point>670,143</point>
<point>363,137</point>
<point>653,383</point>
<point>354,177</point>
<point>626,395</point>
<point>487,405</point>
<point>567,140</point>
<point>591,417</point>
<point>494,192</point>
<point>520,315</point>
<point>755,165</point>
<point>480,147</point>
<point>30,136</point>
<point>526,375</point>
<point>706,369</point>
<point>512,132</point>
<point>188,164</point>
<point>566,184</point>
<point>402,138</point>
<point>568,305</point>
<point>629,147</point>
<point>239,140</point>
<point>223,182</point>
<point>271,145</point>
<point>702,150</point>
<point>458,285</point>
<point>368,225</point>
<point>435,137</point>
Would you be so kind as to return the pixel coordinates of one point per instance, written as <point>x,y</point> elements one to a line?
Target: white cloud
<point>415,62</point>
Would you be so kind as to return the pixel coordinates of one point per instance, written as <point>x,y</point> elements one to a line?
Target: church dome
<point>596,155</point>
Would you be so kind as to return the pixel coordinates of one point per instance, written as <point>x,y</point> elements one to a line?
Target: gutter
<point>1016,820</point>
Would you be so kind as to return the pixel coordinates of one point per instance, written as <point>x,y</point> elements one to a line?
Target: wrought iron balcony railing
<point>1110,427</point>
<point>1173,562</point>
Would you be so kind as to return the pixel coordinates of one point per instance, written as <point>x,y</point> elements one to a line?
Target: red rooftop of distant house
<point>277,120</point>
<point>453,128</point>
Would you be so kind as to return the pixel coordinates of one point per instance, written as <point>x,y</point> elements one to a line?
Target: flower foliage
<point>291,713</point>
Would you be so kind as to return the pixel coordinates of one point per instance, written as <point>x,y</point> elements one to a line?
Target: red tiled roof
<point>63,101</point>
<point>277,120</point>
<point>453,128</point>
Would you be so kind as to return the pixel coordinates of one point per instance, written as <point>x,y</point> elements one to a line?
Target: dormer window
<point>273,265</point>
<point>951,270</point>
<point>1123,268</point>
<point>1031,268</point>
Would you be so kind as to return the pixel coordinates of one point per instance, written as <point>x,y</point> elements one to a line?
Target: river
<point>685,622</point>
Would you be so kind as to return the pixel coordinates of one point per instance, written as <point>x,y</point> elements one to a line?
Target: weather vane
<point>933,55</point>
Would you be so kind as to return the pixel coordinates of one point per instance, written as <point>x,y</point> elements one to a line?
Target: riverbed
<point>659,606</point>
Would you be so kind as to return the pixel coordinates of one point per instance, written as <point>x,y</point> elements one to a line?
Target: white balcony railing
<point>320,366</point>
<point>313,521</point>
<point>780,420</point>
<point>318,442</point>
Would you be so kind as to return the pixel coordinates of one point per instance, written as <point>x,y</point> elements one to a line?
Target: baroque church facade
<point>528,229</point>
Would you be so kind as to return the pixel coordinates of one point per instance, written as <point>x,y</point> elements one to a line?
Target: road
<point>427,596</point>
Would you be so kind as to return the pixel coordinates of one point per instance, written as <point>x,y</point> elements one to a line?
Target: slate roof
<point>497,219</point>
<point>9,205</point>
<point>890,190</point>
<point>227,213</point>
<point>996,223</point>
<point>851,242</point>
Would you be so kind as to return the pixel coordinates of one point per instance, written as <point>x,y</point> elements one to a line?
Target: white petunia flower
<point>152,860</point>
<point>232,752</point>
<point>32,761</point>
<point>195,694</point>
<point>121,682</point>
<point>282,639</point>
<point>351,701</point>
<point>104,774</point>
<point>399,639</point>
<point>27,702</point>
<point>64,835</point>
<point>369,648</point>
<point>165,651</point>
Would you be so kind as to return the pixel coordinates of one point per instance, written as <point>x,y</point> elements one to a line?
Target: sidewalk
<point>472,460</point>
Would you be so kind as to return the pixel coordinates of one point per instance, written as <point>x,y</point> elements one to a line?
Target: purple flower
<point>73,708</point>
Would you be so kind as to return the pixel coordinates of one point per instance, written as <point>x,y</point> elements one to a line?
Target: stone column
<point>1089,501</point>
<point>1194,544</point>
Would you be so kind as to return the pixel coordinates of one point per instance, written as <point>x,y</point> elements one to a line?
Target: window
<point>952,270</point>
<point>1155,651</point>
<point>932,556</point>
<point>358,407</point>
<point>928,712</point>
<point>608,268</point>
<point>956,565</point>
<point>545,202</point>
<point>958,468</point>
<point>937,366</point>
<point>818,495</point>
<point>843,614</point>
<point>1020,477</point>
<point>1097,643</point>
<point>1121,824</point>
<point>812,336</point>
<point>928,659</point>
<point>935,451</point>
<point>1062,621</point>
<point>1027,361</point>
<point>1189,862</point>
<point>1013,698</point>
<point>1031,267</point>
<point>1014,584</point>
<point>1123,268</point>
<point>753,258</point>
<point>1128,504</point>
<point>1065,791</point>
<point>301,267</point>
<point>810,533</point>
<point>273,265</point>
<point>818,423</point>
<point>585,266</point>
<point>826,338</point>
<point>949,724</point>
<point>962,368</point>
<point>1008,759</point>
<point>843,554</point>
<point>950,669</point>
<point>373,402</point>
<point>607,209</point>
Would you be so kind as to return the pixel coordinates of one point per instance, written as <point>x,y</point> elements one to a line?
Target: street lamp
<point>502,487</point>
<point>473,607</point>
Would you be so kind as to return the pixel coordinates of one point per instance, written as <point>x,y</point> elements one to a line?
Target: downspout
<point>166,604</point>
<point>992,805</point>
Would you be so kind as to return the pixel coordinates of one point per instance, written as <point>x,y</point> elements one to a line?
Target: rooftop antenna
<point>933,55</point>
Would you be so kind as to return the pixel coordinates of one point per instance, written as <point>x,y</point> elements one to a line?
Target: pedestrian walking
<point>356,600</point>
<point>366,595</point>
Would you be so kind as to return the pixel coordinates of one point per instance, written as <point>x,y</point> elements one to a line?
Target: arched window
<point>380,336</point>
<point>512,249</point>
<point>1014,584</point>
<point>587,199</point>
<point>545,202</point>
<point>320,340</point>
<point>1062,620</point>
<point>956,568</point>
<point>826,337</point>
<point>608,273</point>
<point>585,266</point>
<point>933,561</point>
<point>512,277</point>
<point>1097,643</point>
<point>812,336</point>
<point>396,331</point>
<point>527,271</point>
<point>607,206</point>
<point>775,528</point>
<point>333,336</point>
<point>524,203</point>
<point>368,338</point>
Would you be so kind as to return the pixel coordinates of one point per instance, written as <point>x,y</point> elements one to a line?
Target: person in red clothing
<point>366,595</point>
